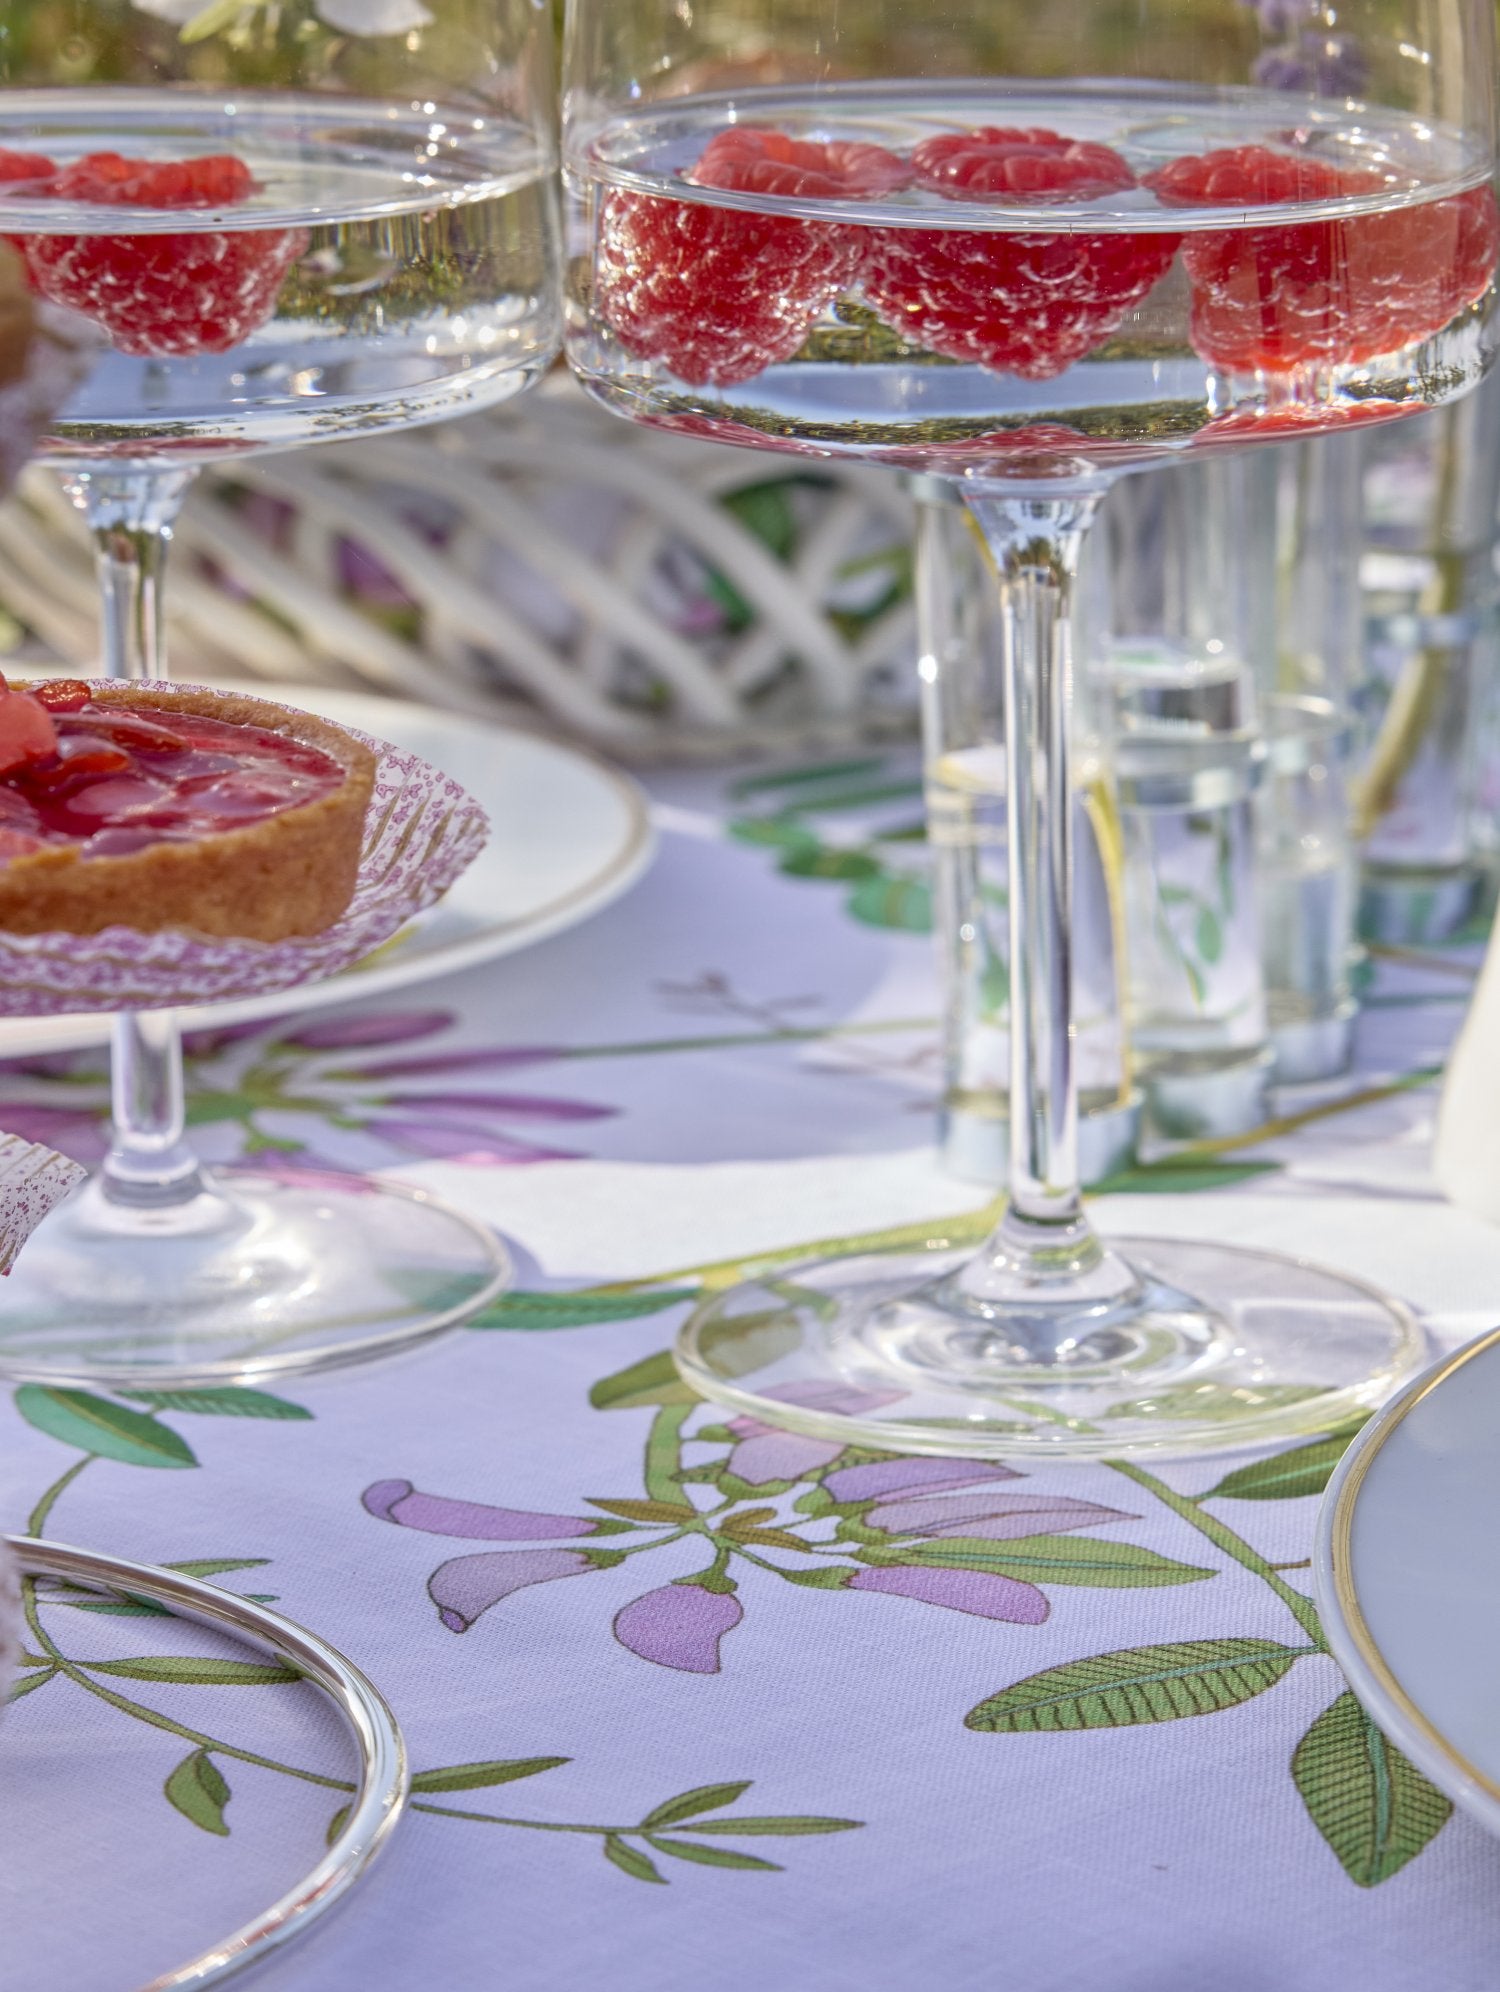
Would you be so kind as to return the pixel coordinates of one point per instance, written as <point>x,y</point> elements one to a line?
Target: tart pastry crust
<point>292,872</point>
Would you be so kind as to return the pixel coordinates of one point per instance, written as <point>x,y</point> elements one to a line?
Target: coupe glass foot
<point>1209,1347</point>
<point>259,1276</point>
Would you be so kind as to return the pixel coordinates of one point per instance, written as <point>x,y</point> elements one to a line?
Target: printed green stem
<point>1302,1609</point>
<point>528,1825</point>
<point>36,1521</point>
<point>664,1452</point>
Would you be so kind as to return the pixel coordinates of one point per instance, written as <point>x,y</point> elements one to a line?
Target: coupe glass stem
<point>130,512</point>
<point>1043,1279</point>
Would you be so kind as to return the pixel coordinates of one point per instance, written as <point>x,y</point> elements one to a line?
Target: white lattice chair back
<point>544,562</point>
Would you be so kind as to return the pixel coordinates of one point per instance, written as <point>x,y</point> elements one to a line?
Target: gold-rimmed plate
<point>1407,1567</point>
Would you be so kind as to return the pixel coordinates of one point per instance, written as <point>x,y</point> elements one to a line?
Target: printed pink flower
<point>887,1477</point>
<point>765,1452</point>
<point>679,1626</point>
<point>466,1586</point>
<point>980,1592</point>
<point>398,1501</point>
<point>989,1513</point>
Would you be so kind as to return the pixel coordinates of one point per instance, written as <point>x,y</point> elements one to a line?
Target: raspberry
<point>1338,291</point>
<point>167,294</point>
<point>219,181</point>
<point>998,163</point>
<point>163,294</point>
<point>719,294</point>
<point>25,166</point>
<point>1298,419</point>
<point>1027,304</point>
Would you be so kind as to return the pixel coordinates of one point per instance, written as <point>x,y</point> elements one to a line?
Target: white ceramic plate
<point>568,835</point>
<point>1408,1573</point>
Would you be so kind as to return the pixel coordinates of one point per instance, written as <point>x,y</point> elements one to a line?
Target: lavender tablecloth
<point>770,1759</point>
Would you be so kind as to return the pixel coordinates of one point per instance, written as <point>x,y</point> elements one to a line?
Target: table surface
<point>632,1780</point>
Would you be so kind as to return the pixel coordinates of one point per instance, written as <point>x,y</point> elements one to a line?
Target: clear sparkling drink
<point>276,270</point>
<point>987,284</point>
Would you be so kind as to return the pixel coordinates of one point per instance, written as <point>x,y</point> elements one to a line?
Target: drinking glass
<point>257,226</point>
<point>1026,248</point>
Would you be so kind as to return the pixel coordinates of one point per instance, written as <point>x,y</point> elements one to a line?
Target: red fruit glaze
<point>1337,291</point>
<point>718,294</point>
<point>112,781</point>
<point>1027,304</point>
<point>163,294</point>
<point>998,163</point>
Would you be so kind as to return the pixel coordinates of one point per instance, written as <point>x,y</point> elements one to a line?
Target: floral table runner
<point>697,1706</point>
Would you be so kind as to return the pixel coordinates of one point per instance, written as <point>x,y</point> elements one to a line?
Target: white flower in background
<point>346,17</point>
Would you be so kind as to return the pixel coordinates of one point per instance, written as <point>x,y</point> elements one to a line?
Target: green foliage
<point>200,1792</point>
<point>1372,1806</point>
<point>1137,1684</point>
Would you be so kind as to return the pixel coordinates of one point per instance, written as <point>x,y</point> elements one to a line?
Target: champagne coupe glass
<point>1026,248</point>
<point>258,223</point>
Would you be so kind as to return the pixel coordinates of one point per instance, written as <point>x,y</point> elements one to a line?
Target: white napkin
<point>1466,1157</point>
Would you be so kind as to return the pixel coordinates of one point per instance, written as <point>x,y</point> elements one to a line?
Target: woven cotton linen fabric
<point>820,1748</point>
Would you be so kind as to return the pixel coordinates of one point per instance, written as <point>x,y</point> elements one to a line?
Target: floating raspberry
<point>719,294</point>
<point>752,160</point>
<point>25,166</point>
<point>1027,304</point>
<point>1299,419</point>
<point>1337,291</point>
<point>163,294</point>
<point>168,294</point>
<point>218,181</point>
<point>999,163</point>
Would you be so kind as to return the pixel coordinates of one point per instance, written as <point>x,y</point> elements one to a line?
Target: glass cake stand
<point>161,1272</point>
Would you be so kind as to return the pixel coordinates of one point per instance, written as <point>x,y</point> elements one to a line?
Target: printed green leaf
<point>893,901</point>
<point>653,1380</point>
<point>531,1312</point>
<point>702,1798</point>
<point>199,1791</point>
<point>1208,936</point>
<point>646,1511</point>
<point>1286,1476</point>
<point>827,861</point>
<point>29,1681</point>
<point>125,1608</point>
<point>214,1566</point>
<point>794,778</point>
<point>193,1671</point>
<point>1136,1684</point>
<point>1054,1559</point>
<point>630,1859</point>
<point>741,1343</point>
<point>336,1824</point>
<point>826,1577</point>
<point>793,1824</point>
<point>473,1777</point>
<point>95,1425</point>
<point>779,833</point>
<point>225,1401</point>
<point>725,1857</point>
<point>1214,1401</point>
<point>1180,1175</point>
<point>1373,1807</point>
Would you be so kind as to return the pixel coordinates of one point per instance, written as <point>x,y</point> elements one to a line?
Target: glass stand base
<point>262,1275</point>
<point>1217,1347</point>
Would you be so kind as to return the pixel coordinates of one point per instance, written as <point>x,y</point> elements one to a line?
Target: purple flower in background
<point>679,1626</point>
<point>382,1027</point>
<point>991,1514</point>
<point>765,1452</point>
<point>398,1501</point>
<point>1315,64</point>
<point>73,1131</point>
<point>979,1592</point>
<point>466,1586</point>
